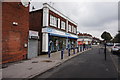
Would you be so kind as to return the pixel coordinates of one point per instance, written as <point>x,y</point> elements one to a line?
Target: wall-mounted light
<point>15,23</point>
<point>25,45</point>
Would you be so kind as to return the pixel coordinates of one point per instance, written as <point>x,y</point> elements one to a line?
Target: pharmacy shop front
<point>55,40</point>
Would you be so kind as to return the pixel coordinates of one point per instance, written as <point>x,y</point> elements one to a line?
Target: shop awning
<point>62,36</point>
<point>52,34</point>
<point>72,37</point>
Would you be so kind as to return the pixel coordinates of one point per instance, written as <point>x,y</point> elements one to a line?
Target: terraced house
<point>56,31</point>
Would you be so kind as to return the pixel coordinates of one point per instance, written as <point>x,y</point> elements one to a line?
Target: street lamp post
<point>105,50</point>
<point>105,47</point>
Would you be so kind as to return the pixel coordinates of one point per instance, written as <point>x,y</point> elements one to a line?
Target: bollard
<point>90,46</point>
<point>77,49</point>
<point>105,51</point>
<point>49,53</point>
<point>68,52</point>
<point>62,52</point>
<point>83,48</point>
<point>73,50</point>
<point>80,48</point>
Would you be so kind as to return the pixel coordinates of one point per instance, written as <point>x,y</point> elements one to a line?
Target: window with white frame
<point>73,29</point>
<point>62,25</point>
<point>69,28</point>
<point>53,21</point>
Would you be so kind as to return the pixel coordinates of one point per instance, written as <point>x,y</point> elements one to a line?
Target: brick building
<point>35,34</point>
<point>96,41</point>
<point>15,27</point>
<point>56,31</point>
<point>84,38</point>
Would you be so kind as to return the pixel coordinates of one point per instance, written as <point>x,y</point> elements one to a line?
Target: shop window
<point>63,25</point>
<point>53,21</point>
<point>56,43</point>
<point>72,43</point>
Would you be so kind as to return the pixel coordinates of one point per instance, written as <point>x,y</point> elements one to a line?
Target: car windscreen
<point>117,45</point>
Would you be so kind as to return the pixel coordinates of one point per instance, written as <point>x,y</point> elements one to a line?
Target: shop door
<point>32,48</point>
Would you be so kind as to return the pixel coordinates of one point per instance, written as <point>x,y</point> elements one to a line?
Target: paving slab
<point>35,66</point>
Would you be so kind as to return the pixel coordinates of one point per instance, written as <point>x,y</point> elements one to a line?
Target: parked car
<point>110,44</point>
<point>116,48</point>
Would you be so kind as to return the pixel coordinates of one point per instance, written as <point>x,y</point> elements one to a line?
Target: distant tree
<point>106,36</point>
<point>117,38</point>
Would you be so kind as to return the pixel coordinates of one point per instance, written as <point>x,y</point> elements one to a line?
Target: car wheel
<point>113,52</point>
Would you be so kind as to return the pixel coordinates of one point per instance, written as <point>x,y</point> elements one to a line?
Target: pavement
<point>35,66</point>
<point>115,59</point>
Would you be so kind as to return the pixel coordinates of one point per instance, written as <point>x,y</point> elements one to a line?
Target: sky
<point>93,17</point>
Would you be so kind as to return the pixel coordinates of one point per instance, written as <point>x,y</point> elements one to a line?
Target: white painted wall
<point>58,22</point>
<point>59,13</point>
<point>45,16</point>
<point>45,42</point>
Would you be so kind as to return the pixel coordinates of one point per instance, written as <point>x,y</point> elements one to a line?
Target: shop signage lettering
<point>33,33</point>
<point>49,30</point>
<point>67,34</point>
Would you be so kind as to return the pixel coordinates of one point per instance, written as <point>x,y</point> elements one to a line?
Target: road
<point>90,64</point>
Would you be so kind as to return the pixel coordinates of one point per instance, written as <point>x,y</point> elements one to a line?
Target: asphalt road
<point>90,64</point>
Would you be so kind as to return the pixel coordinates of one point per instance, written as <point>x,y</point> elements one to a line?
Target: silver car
<point>116,48</point>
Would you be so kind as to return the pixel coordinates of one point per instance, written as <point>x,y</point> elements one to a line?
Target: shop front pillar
<point>67,43</point>
<point>45,43</point>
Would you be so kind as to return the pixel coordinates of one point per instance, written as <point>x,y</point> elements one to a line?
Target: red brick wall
<point>14,37</point>
<point>36,21</point>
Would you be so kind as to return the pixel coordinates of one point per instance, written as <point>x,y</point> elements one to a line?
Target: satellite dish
<point>25,3</point>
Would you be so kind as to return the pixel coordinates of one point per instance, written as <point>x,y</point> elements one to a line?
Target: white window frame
<point>63,25</point>
<point>69,29</point>
<point>72,29</point>
<point>53,21</point>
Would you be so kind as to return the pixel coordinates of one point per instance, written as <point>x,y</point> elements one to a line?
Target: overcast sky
<point>92,17</point>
